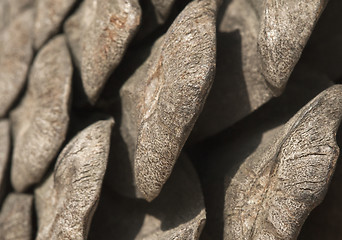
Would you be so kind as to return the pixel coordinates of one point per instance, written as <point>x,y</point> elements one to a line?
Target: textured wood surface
<point>66,201</point>
<point>227,119</point>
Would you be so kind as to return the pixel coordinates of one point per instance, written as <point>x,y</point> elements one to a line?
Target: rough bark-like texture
<point>220,156</point>
<point>277,186</point>
<point>67,200</point>
<point>99,34</point>
<point>15,217</point>
<point>177,213</point>
<point>42,117</point>
<point>324,221</point>
<point>284,30</point>
<point>264,155</point>
<point>14,63</point>
<point>49,17</point>
<point>4,153</point>
<point>164,97</point>
<point>10,9</point>
<point>258,47</point>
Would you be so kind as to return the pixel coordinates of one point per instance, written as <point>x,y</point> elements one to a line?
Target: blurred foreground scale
<point>42,118</point>
<point>48,18</point>
<point>15,57</point>
<point>16,217</point>
<point>11,9</point>
<point>5,147</point>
